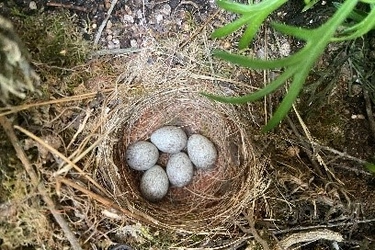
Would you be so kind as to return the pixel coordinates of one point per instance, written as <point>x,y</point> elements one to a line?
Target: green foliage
<point>297,66</point>
<point>365,23</point>
<point>252,16</point>
<point>370,167</point>
<point>309,4</point>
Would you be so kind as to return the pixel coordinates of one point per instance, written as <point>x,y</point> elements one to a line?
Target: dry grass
<point>152,93</point>
<point>117,100</point>
<point>138,93</point>
<point>214,198</point>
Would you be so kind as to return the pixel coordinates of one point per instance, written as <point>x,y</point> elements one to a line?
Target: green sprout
<point>297,66</point>
<point>370,167</point>
<point>365,23</point>
<point>252,15</point>
<point>309,4</point>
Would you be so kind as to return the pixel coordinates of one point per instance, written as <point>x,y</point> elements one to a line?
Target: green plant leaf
<point>231,27</point>
<point>238,8</point>
<point>370,166</point>
<point>289,98</point>
<point>309,4</point>
<point>253,15</point>
<point>297,32</point>
<point>271,87</point>
<point>250,32</point>
<point>297,66</point>
<point>258,63</point>
<point>245,9</point>
<point>359,29</point>
<point>356,15</point>
<point>368,1</point>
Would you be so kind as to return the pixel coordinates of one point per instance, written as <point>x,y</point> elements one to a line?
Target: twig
<point>104,23</point>
<point>296,229</point>
<point>316,153</point>
<point>341,154</point>
<point>108,203</point>
<point>104,52</point>
<point>81,127</point>
<point>309,237</point>
<point>321,147</point>
<point>212,17</point>
<point>35,181</point>
<point>305,147</point>
<point>351,169</point>
<point>67,167</point>
<point>15,109</point>
<point>250,218</point>
<point>55,152</point>
<point>67,6</point>
<point>370,116</point>
<point>340,224</point>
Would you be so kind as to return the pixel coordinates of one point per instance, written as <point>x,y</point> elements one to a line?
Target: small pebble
<point>109,24</point>
<point>159,18</point>
<point>166,10</point>
<point>128,19</point>
<point>133,43</point>
<point>33,6</point>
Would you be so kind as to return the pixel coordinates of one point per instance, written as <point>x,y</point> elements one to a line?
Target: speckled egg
<point>201,151</point>
<point>180,170</point>
<point>142,155</point>
<point>169,139</point>
<point>154,184</point>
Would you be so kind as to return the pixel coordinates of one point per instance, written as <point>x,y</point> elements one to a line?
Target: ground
<point>316,178</point>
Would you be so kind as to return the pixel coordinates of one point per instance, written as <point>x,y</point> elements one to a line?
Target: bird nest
<point>151,94</point>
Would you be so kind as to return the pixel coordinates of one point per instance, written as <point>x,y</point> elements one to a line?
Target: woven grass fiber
<point>153,92</point>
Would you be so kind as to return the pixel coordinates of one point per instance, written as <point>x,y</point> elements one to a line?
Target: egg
<point>201,151</point>
<point>142,155</point>
<point>169,139</point>
<point>154,184</point>
<point>179,169</point>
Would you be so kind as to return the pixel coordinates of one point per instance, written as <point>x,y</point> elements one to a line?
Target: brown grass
<point>137,94</point>
<point>159,95</point>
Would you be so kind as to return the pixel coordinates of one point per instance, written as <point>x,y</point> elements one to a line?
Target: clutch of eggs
<point>179,172</point>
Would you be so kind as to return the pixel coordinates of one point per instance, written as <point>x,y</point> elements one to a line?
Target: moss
<point>23,221</point>
<point>53,39</point>
<point>57,47</point>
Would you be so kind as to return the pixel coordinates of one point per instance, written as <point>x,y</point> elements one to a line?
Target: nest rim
<point>216,216</point>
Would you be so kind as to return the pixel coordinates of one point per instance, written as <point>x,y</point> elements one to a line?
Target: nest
<point>150,95</point>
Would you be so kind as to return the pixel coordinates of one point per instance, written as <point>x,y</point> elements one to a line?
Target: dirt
<point>305,193</point>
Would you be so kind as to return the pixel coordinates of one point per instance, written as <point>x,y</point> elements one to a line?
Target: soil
<point>312,187</point>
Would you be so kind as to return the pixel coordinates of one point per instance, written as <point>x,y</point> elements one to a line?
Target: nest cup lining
<point>214,196</point>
